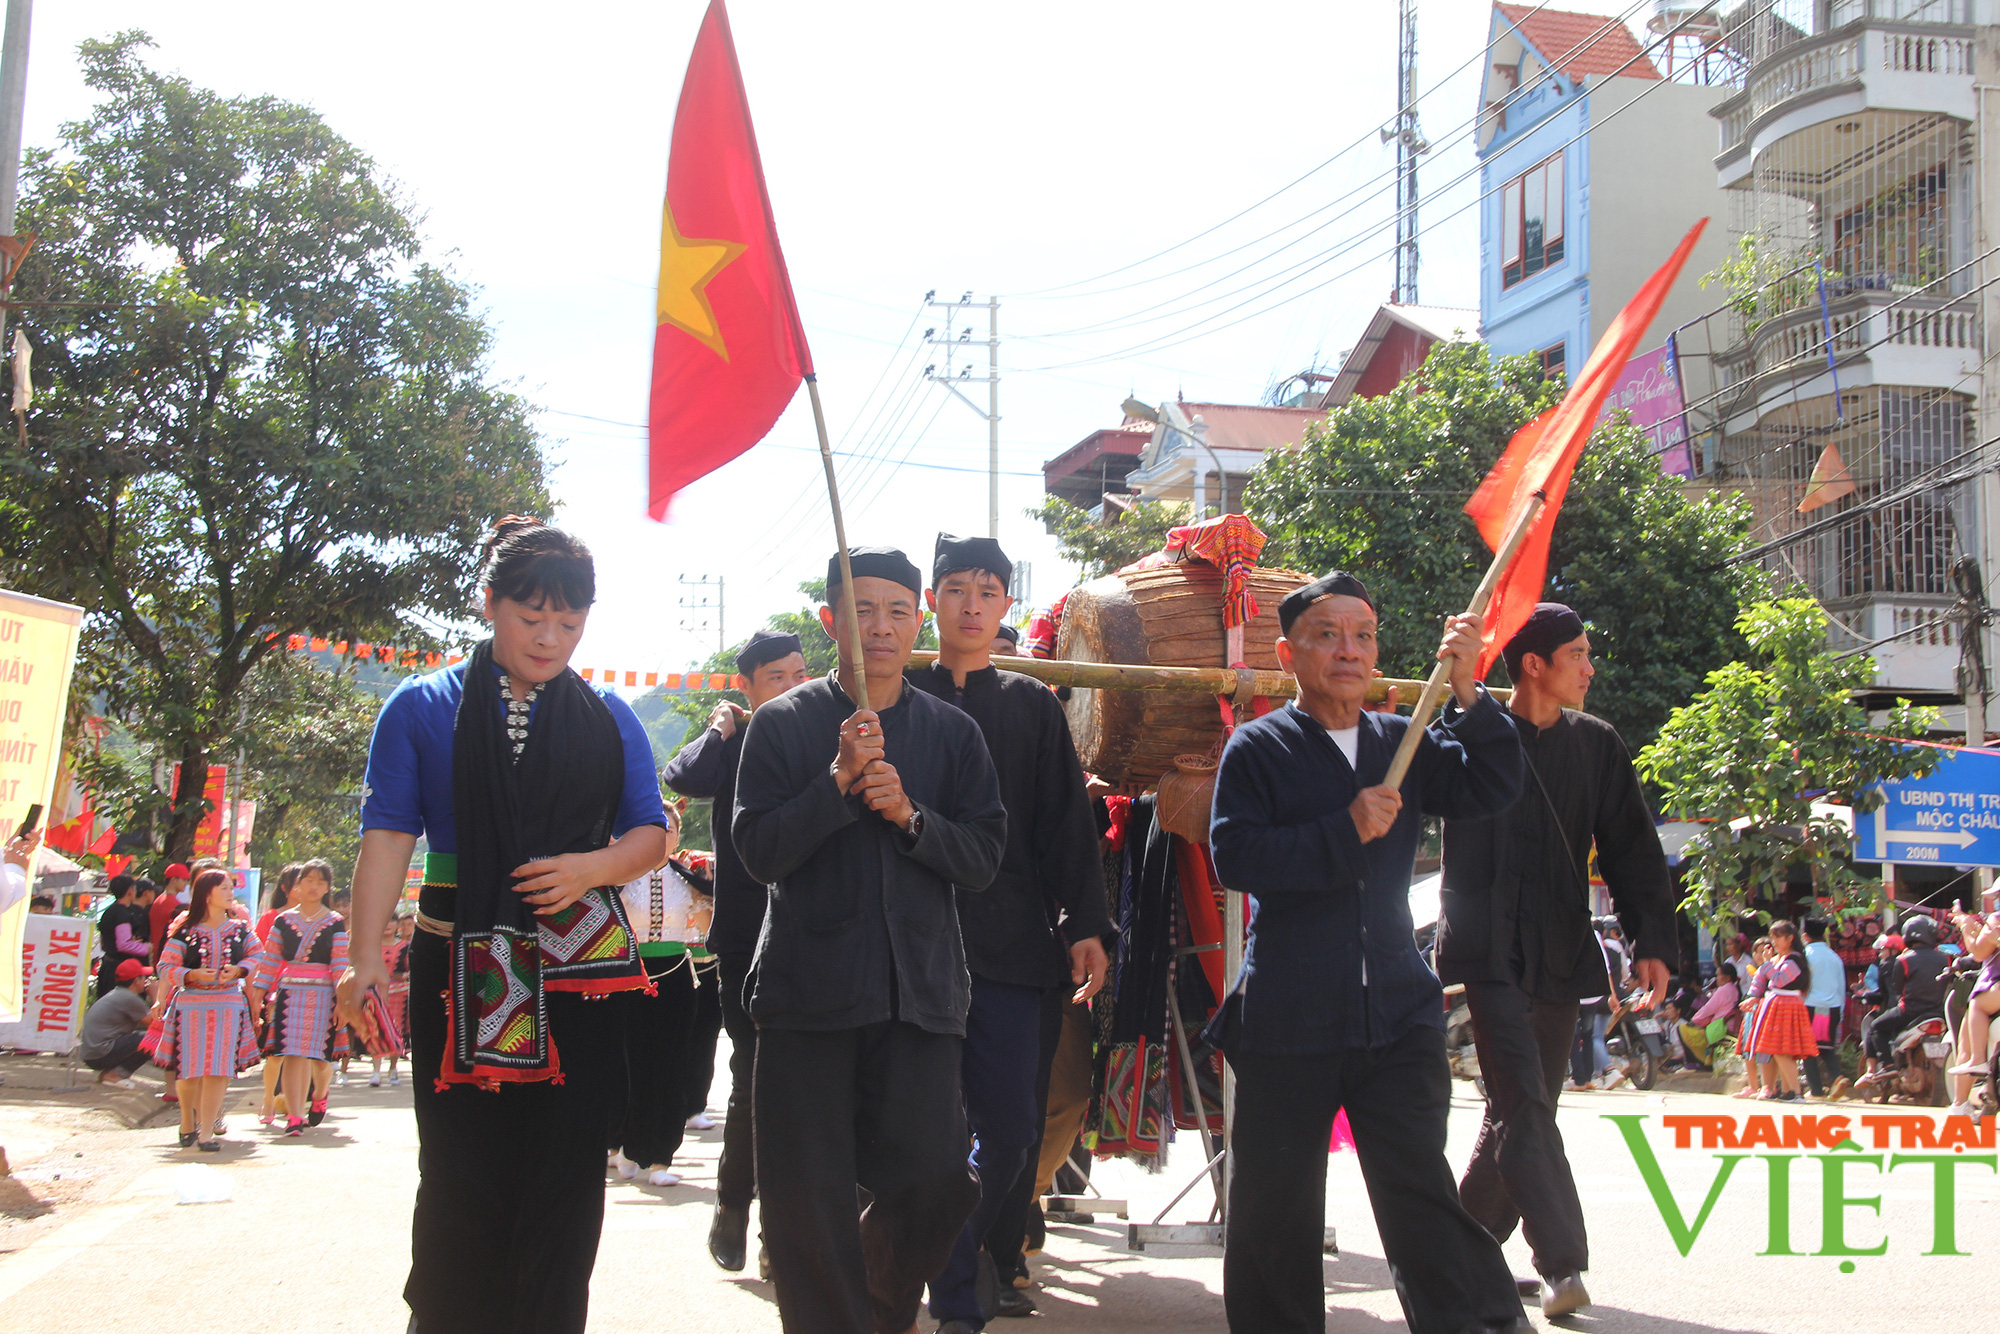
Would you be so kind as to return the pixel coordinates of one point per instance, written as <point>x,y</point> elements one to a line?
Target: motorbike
<point>1637,1042</point>
<point>1459,1049</point>
<point>1916,1069</point>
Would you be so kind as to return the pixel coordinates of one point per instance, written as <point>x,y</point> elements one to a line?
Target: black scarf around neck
<point>560,796</point>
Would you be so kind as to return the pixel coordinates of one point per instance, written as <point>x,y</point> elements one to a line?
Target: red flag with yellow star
<point>729,351</point>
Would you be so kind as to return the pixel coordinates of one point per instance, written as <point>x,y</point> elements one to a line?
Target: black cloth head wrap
<point>875,563</point>
<point>970,553</point>
<point>1338,584</point>
<point>767,646</point>
<point>1010,634</point>
<point>1549,627</point>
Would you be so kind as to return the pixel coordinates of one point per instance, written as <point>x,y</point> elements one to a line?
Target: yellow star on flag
<point>686,268</point>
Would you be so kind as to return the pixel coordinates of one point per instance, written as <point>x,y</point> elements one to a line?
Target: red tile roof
<point>1574,44</point>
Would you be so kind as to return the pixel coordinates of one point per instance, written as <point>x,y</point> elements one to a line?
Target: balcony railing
<point>1794,345</point>
<point>1881,36</point>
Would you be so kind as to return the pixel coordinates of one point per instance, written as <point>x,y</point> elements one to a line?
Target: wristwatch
<point>914,826</point>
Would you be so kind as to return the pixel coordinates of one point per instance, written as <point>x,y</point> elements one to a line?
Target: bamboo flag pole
<point>851,668</point>
<point>1440,681</point>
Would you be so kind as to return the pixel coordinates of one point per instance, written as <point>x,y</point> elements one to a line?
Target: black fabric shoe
<point>729,1237</point>
<point>958,1327</point>
<point>187,1139</point>
<point>1014,1302</point>
<point>209,1146</point>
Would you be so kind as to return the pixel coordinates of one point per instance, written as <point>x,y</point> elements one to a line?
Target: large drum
<point>1165,617</point>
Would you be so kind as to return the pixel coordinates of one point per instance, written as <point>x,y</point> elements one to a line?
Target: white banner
<point>55,975</point>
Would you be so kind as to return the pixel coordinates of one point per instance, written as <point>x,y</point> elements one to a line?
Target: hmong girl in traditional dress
<point>1780,1031</point>
<point>538,797</point>
<point>304,954</point>
<point>208,1036</point>
<point>659,1026</point>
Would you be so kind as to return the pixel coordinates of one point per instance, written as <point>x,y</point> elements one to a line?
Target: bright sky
<point>909,147</point>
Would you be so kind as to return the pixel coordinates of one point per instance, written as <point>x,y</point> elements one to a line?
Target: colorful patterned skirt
<point>1780,1026</point>
<point>301,1021</point>
<point>207,1034</point>
<point>399,1010</point>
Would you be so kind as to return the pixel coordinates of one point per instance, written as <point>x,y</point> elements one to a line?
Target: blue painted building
<point>1592,168</point>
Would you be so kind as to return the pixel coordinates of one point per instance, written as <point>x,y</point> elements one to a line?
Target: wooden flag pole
<point>850,670</point>
<point>1440,681</point>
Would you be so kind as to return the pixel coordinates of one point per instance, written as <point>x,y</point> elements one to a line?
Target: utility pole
<point>694,614</point>
<point>955,374</point>
<point>1410,144</point>
<point>13,106</point>
<point>1973,618</point>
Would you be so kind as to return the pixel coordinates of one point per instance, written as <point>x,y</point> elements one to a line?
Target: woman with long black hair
<point>538,798</point>
<point>209,1036</point>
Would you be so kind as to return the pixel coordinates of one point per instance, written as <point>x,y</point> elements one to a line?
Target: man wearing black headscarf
<point>771,663</point>
<point>1017,956</point>
<point>1515,928</point>
<point>866,807</point>
<point>1334,1008</point>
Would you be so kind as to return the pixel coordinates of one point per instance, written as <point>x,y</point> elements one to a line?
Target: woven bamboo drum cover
<point>1165,617</point>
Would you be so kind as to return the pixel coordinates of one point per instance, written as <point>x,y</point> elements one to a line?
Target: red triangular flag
<point>1829,482</point>
<point>1542,454</point>
<point>729,350</point>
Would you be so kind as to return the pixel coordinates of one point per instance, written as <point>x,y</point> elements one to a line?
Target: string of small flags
<point>402,657</point>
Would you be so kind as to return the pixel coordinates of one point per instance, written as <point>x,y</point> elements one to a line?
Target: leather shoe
<point>1014,1302</point>
<point>728,1237</point>
<point>1565,1296</point>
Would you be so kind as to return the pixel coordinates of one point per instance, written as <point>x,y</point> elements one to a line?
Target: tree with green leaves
<point>1379,489</point>
<point>1100,548</point>
<point>1761,753</point>
<point>261,413</point>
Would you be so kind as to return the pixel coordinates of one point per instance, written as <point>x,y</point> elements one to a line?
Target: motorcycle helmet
<point>1919,931</point>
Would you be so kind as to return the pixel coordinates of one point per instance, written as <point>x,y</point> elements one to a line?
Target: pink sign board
<point>1650,389</point>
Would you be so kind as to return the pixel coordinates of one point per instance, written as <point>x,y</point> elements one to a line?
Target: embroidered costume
<point>519,1071</point>
<point>301,960</point>
<point>1779,1026</point>
<point>207,1030</point>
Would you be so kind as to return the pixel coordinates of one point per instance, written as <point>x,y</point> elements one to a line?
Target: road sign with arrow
<point>1950,818</point>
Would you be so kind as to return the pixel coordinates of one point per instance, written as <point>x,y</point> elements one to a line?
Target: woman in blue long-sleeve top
<point>1334,1007</point>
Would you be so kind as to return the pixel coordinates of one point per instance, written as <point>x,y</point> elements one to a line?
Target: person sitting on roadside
<point>115,1025</point>
<point>1701,1033</point>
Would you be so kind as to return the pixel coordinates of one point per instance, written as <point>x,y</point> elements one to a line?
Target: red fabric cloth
<point>1043,628</point>
<point>729,350</point>
<point>1544,452</point>
<point>1231,544</point>
<point>1204,918</point>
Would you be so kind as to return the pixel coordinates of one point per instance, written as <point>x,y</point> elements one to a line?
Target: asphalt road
<point>314,1234</point>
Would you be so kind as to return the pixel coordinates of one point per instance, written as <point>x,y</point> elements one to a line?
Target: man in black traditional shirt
<point>1334,1008</point>
<point>770,664</point>
<point>1011,944</point>
<point>1516,930</point>
<point>864,819</point>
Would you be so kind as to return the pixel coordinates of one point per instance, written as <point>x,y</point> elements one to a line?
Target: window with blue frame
<point>1531,221</point>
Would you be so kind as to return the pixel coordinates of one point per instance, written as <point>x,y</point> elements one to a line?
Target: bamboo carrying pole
<point>1175,680</point>
<point>1482,597</point>
<point>851,667</point>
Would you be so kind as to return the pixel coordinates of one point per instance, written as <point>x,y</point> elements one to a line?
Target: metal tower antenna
<point>1410,144</point>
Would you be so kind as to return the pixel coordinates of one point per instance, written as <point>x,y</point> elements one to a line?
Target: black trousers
<point>1006,1240</point>
<point>878,1108</point>
<point>1448,1269</point>
<point>1823,1069</point>
<point>703,1033</point>
<point>658,1029</point>
<point>510,1196</point>
<point>1519,1172</point>
<point>736,1173</point>
<point>1878,1035</point>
